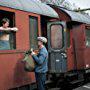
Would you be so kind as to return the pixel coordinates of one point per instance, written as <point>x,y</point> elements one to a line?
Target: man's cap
<point>43,39</point>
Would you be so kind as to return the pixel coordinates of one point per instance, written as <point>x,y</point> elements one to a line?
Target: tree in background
<point>55,2</point>
<point>64,3</point>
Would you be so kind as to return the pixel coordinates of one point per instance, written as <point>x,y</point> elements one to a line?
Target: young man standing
<point>41,63</point>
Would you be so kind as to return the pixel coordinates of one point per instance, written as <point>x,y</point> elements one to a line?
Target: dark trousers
<point>40,79</point>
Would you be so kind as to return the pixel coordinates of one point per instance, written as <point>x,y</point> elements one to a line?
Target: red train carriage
<point>69,48</point>
<point>26,15</point>
<point>77,37</point>
<point>68,43</point>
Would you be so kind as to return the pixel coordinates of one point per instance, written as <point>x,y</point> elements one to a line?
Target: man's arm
<point>9,29</point>
<point>39,59</point>
<point>14,29</point>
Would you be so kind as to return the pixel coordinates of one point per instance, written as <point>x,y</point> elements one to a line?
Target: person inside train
<point>41,60</point>
<point>4,34</point>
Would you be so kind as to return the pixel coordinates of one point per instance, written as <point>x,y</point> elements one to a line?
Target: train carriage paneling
<point>12,70</point>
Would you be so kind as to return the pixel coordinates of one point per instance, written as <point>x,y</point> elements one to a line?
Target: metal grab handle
<point>64,54</point>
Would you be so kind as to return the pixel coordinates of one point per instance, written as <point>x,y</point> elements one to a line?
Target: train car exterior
<point>69,53</point>
<point>68,42</point>
<point>26,16</point>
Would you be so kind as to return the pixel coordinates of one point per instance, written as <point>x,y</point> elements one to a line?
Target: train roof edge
<point>74,16</point>
<point>30,6</point>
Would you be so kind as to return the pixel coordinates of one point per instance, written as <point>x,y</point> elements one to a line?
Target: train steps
<point>77,81</point>
<point>54,89</point>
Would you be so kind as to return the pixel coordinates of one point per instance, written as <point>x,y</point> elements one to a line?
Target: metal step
<point>71,74</point>
<point>76,81</point>
<point>54,89</point>
<point>48,82</point>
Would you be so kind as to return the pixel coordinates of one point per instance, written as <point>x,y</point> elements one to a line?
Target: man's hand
<point>32,52</point>
<point>14,29</point>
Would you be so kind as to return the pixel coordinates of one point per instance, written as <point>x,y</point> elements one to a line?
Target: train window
<point>12,35</point>
<point>88,37</point>
<point>56,36</point>
<point>33,32</point>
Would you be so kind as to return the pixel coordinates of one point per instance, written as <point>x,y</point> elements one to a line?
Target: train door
<point>56,34</point>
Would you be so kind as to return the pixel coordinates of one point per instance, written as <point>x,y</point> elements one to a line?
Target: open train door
<point>56,34</point>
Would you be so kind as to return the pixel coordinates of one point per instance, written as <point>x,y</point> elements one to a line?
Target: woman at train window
<point>4,34</point>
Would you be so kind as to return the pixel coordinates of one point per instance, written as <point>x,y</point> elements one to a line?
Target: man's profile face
<point>40,43</point>
<point>5,25</point>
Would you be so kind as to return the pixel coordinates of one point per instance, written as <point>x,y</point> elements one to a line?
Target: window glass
<point>33,32</point>
<point>87,37</point>
<point>56,36</point>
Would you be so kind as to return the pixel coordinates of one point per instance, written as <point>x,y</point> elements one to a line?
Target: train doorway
<point>55,33</point>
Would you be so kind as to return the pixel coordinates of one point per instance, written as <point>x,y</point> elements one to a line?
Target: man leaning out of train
<point>5,34</point>
<point>41,60</point>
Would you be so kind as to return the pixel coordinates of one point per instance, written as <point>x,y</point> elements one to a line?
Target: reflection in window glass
<point>87,37</point>
<point>56,36</point>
